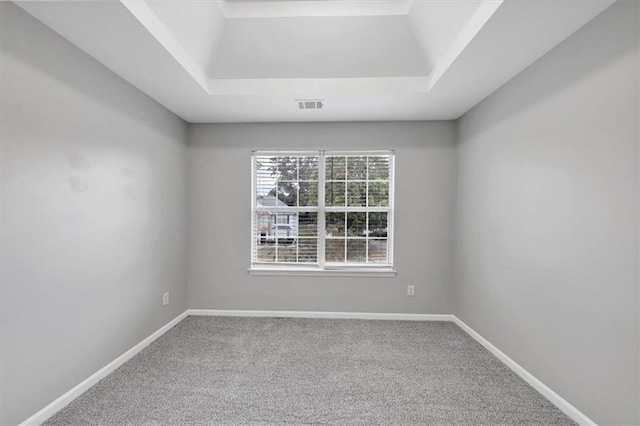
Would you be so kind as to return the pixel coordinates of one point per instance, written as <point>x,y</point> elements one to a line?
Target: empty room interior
<point>390,212</point>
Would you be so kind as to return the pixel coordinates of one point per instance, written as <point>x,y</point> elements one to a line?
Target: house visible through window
<point>327,210</point>
<point>284,218</point>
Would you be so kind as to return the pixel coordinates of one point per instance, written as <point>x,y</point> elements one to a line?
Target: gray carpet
<point>224,370</point>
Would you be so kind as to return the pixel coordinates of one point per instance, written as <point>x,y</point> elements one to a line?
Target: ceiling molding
<point>481,16</point>
<point>147,17</point>
<point>290,8</point>
<point>324,86</point>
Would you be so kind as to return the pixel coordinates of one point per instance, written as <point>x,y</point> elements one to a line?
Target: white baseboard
<point>48,411</point>
<point>571,411</point>
<point>314,314</point>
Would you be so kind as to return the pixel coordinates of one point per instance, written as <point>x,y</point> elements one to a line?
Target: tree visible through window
<point>329,209</point>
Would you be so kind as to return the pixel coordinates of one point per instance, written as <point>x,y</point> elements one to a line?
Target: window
<point>322,211</point>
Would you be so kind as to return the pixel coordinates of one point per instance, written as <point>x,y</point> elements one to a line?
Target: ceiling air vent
<point>310,103</point>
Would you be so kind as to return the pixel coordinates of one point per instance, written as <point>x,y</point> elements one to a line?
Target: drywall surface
<point>93,215</point>
<point>219,216</point>
<point>547,250</point>
<point>318,47</point>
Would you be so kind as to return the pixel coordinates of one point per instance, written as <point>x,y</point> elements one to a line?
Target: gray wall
<point>95,206</point>
<point>93,215</point>
<point>547,265</point>
<point>219,214</point>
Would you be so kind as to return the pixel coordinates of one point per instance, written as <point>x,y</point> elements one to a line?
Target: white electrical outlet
<point>411,290</point>
<point>165,299</point>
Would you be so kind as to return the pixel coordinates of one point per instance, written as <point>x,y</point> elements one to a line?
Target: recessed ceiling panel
<point>318,47</point>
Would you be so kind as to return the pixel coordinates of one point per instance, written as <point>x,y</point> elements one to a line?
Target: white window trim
<point>317,272</point>
<point>322,269</point>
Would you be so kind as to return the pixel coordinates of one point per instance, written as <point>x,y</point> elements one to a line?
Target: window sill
<point>314,272</point>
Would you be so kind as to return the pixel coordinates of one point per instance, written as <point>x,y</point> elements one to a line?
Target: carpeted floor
<point>225,370</point>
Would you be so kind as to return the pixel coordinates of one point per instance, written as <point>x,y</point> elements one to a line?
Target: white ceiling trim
<point>147,17</point>
<point>481,16</point>
<point>318,86</point>
<point>285,9</point>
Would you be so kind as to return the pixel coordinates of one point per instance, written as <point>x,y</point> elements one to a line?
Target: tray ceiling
<point>239,61</point>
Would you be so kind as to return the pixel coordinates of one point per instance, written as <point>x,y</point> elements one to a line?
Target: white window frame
<point>320,268</point>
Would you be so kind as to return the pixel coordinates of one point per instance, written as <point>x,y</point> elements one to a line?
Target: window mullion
<point>346,204</point>
<point>254,216</point>
<point>391,213</point>
<point>275,246</point>
<point>321,213</point>
<point>366,197</point>
<point>366,245</point>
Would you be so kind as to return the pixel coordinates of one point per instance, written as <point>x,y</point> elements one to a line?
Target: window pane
<point>308,168</point>
<point>264,240</point>
<point>378,251</point>
<point>379,194</point>
<point>307,250</point>
<point>378,167</point>
<point>356,224</point>
<point>288,193</point>
<point>308,194</point>
<point>356,194</point>
<point>280,176</point>
<point>286,168</point>
<point>287,253</point>
<point>335,224</point>
<point>286,237</point>
<point>269,201</point>
<point>262,226</point>
<point>265,253</point>
<point>357,168</point>
<point>334,194</point>
<point>335,168</point>
<point>356,251</point>
<point>334,250</point>
<point>377,224</point>
<point>284,228</point>
<point>307,224</point>
<point>265,177</point>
